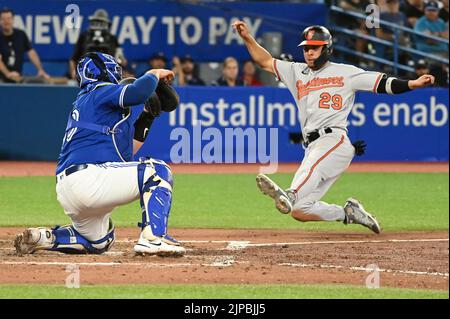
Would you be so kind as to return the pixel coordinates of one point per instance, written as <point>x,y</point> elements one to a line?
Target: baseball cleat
<point>161,246</point>
<point>33,239</point>
<point>268,187</point>
<point>356,214</point>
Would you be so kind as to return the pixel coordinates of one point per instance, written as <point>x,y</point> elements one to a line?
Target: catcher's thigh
<point>90,195</point>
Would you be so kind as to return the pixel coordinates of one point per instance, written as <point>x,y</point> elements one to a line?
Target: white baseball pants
<point>325,160</point>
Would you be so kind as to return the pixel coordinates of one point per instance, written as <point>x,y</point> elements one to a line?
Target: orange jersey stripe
<point>318,161</point>
<point>376,83</point>
<point>276,69</point>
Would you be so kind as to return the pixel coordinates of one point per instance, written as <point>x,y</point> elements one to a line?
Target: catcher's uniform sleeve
<point>136,93</point>
<point>110,95</point>
<point>361,80</point>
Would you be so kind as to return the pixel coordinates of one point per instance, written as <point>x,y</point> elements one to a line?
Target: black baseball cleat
<point>268,187</point>
<point>356,214</point>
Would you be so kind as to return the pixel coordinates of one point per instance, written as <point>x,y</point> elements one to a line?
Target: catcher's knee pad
<point>155,196</point>
<point>69,241</point>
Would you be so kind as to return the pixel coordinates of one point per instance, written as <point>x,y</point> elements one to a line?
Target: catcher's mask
<point>320,36</point>
<point>98,67</point>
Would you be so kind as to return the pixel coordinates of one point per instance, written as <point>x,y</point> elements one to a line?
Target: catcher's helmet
<point>98,67</point>
<point>318,35</point>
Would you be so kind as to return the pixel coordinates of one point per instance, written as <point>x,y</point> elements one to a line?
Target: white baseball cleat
<point>161,246</point>
<point>356,214</point>
<point>33,239</point>
<point>268,187</point>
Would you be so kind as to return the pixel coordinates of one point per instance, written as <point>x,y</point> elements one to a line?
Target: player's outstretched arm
<point>392,85</point>
<point>260,55</point>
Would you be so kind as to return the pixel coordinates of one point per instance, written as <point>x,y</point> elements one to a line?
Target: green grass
<point>410,201</point>
<point>217,292</point>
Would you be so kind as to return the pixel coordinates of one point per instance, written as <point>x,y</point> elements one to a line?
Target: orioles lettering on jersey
<point>318,84</point>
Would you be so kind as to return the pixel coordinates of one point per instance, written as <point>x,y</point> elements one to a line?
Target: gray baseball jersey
<point>324,97</point>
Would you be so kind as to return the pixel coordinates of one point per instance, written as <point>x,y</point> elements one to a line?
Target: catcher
<point>95,172</point>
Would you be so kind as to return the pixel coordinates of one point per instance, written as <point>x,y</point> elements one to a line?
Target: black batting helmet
<point>318,35</point>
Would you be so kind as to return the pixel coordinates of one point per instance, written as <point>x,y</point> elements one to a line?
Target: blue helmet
<point>98,67</point>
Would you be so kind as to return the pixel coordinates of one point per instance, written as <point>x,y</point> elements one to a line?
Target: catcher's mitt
<point>168,96</point>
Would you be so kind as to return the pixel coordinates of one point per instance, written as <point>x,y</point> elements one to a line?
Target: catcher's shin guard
<point>69,241</point>
<point>156,197</point>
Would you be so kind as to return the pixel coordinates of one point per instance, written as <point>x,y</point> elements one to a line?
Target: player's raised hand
<point>241,28</point>
<point>163,74</point>
<point>421,82</point>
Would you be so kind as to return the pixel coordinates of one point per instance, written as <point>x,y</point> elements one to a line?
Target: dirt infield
<point>10,168</point>
<point>406,260</point>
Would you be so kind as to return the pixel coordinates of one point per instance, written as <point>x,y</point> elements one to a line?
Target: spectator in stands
<point>413,9</point>
<point>355,24</point>
<point>441,72</point>
<point>358,6</point>
<point>382,4</point>
<point>188,72</point>
<point>128,71</point>
<point>421,67</point>
<point>393,15</point>
<point>97,38</point>
<point>438,70</point>
<point>443,13</point>
<point>230,74</point>
<point>13,45</point>
<point>431,24</point>
<point>249,76</point>
<point>158,61</point>
<point>178,72</point>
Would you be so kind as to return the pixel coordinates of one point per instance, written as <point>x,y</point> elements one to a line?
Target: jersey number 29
<point>327,100</point>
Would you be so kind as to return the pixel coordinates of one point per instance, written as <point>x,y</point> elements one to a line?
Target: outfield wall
<point>234,125</point>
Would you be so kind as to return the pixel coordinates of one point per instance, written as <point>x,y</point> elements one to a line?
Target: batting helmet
<point>318,35</point>
<point>97,66</point>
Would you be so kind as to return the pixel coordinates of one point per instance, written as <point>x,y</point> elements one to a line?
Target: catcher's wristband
<point>142,126</point>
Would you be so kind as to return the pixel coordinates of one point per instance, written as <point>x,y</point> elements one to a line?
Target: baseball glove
<point>168,96</point>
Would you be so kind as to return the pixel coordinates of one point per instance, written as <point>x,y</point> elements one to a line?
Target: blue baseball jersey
<point>99,109</point>
<point>102,106</point>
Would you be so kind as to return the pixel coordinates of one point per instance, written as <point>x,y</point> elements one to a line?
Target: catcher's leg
<point>64,239</point>
<point>155,185</point>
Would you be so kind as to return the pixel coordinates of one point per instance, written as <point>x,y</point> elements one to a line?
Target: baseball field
<point>239,246</point>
